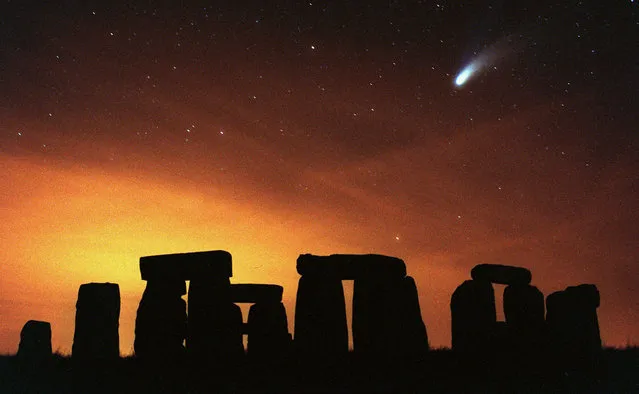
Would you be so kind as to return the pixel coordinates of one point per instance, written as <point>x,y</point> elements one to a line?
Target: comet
<point>486,59</point>
<point>464,75</point>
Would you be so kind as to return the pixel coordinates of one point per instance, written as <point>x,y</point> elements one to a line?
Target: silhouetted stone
<point>524,306</point>
<point>268,330</point>
<point>473,316</point>
<point>501,274</point>
<point>351,266</point>
<point>387,318</point>
<point>35,342</point>
<point>524,311</point>
<point>97,320</point>
<point>186,266</point>
<point>414,332</point>
<point>160,325</point>
<point>320,317</point>
<point>252,292</point>
<point>214,321</point>
<point>572,320</point>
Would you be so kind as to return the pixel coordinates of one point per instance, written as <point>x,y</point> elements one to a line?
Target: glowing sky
<point>274,130</point>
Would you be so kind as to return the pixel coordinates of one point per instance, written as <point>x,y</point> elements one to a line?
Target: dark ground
<point>436,372</point>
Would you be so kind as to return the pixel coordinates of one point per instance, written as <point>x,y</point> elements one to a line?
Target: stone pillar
<point>524,311</point>
<point>473,315</point>
<point>268,330</point>
<point>97,322</point>
<point>35,342</point>
<point>572,320</point>
<point>214,322</point>
<point>413,329</point>
<point>320,317</point>
<point>160,325</point>
<point>387,318</point>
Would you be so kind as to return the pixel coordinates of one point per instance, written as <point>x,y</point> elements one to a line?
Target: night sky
<point>271,129</point>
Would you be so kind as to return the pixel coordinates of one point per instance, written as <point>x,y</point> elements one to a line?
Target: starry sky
<point>271,129</point>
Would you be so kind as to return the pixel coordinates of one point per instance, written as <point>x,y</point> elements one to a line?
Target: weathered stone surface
<point>214,321</point>
<point>351,266</point>
<point>473,316</point>
<point>97,322</point>
<point>387,318</point>
<point>161,325</point>
<point>501,274</point>
<point>268,330</point>
<point>186,266</point>
<point>572,319</point>
<point>252,292</point>
<point>35,342</point>
<point>320,317</point>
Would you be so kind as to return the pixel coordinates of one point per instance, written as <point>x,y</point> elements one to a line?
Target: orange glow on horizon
<point>68,226</point>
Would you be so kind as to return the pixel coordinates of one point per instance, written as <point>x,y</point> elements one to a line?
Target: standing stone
<point>320,317</point>
<point>97,322</point>
<point>160,325</point>
<point>387,318</point>
<point>214,322</point>
<point>35,342</point>
<point>473,316</point>
<point>413,329</point>
<point>268,330</point>
<point>523,306</point>
<point>524,311</point>
<point>572,320</point>
<point>370,301</point>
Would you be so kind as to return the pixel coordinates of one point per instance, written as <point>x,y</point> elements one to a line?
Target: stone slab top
<point>351,266</point>
<point>256,292</point>
<point>582,295</point>
<point>501,274</point>
<point>186,266</point>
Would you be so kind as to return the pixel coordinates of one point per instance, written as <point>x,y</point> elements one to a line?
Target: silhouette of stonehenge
<point>386,315</point>
<point>567,326</point>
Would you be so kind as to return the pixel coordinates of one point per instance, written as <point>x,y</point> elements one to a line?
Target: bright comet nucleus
<point>463,76</point>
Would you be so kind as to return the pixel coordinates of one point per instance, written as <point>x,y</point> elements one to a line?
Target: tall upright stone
<point>386,317</point>
<point>268,335</point>
<point>473,316</point>
<point>572,320</point>
<point>525,315</point>
<point>97,322</point>
<point>35,342</point>
<point>160,325</point>
<point>215,322</point>
<point>320,317</point>
<point>411,323</point>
